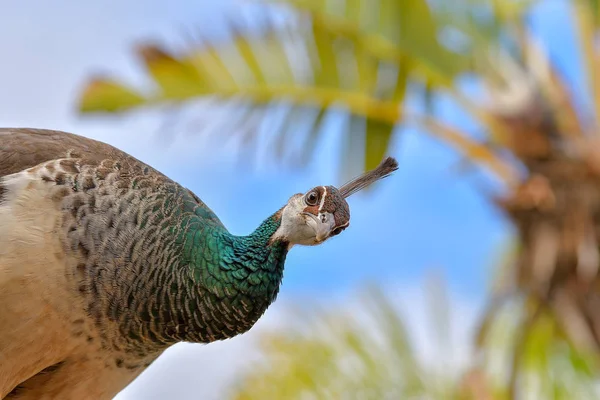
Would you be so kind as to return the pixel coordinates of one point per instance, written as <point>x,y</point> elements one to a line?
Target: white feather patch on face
<point>293,227</point>
<point>296,226</point>
<point>323,199</point>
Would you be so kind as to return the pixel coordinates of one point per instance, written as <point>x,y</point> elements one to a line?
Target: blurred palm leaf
<point>356,55</point>
<point>344,355</point>
<point>365,352</point>
<point>526,354</point>
<point>110,96</point>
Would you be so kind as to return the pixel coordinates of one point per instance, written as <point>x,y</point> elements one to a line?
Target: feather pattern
<point>106,262</point>
<point>116,262</point>
<point>384,169</point>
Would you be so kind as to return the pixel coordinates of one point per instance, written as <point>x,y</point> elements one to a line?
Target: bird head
<point>313,217</point>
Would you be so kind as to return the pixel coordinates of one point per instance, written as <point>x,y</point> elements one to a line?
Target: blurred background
<point>471,273</point>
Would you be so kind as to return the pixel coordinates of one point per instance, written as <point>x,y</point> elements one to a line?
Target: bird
<point>105,263</point>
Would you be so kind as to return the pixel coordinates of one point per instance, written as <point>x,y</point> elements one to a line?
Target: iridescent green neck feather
<point>186,278</point>
<point>225,283</point>
<point>238,277</point>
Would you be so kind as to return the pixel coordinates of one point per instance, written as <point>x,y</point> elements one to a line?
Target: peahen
<point>105,263</point>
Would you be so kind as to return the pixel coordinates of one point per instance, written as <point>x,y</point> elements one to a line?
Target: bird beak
<point>322,226</point>
<point>323,231</point>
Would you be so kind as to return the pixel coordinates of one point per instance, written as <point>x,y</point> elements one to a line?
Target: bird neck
<point>199,284</point>
<point>259,251</point>
<point>252,265</point>
<point>234,280</point>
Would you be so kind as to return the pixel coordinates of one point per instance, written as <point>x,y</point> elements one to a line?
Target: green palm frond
<point>340,355</point>
<point>186,78</point>
<point>359,57</point>
<point>108,95</point>
<point>526,353</point>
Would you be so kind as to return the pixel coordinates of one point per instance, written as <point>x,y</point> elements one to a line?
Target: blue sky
<point>421,219</point>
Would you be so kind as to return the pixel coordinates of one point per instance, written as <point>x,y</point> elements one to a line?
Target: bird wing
<point>37,332</point>
<point>23,148</point>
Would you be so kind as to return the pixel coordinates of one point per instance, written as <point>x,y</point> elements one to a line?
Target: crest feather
<point>383,170</point>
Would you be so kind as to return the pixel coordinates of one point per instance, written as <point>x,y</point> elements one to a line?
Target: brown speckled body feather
<point>105,263</point>
<point>81,229</point>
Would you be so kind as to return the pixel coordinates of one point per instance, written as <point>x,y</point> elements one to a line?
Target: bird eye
<point>312,199</point>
